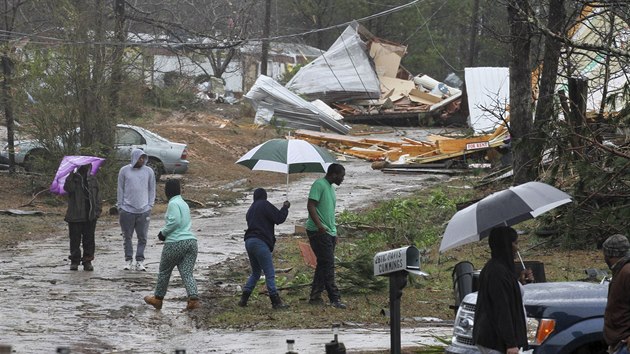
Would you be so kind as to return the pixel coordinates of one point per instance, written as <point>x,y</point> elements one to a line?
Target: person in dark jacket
<point>616,251</point>
<point>500,325</point>
<point>260,240</point>
<point>84,208</point>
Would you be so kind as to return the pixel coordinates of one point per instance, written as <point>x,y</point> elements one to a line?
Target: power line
<point>46,40</point>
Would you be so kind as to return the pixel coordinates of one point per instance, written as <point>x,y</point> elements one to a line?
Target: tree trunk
<point>8,21</point>
<point>117,59</point>
<point>577,118</point>
<point>7,102</point>
<point>520,92</point>
<point>265,42</point>
<point>545,107</point>
<point>474,28</point>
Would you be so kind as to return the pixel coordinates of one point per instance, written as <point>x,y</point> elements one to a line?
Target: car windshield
<point>151,135</point>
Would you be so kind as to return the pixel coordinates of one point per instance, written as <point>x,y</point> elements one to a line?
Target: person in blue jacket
<point>180,248</point>
<point>260,240</point>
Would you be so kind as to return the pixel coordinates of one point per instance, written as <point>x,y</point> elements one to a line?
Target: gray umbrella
<point>507,207</point>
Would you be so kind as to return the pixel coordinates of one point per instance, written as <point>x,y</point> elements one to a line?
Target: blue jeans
<point>622,350</point>
<point>261,261</point>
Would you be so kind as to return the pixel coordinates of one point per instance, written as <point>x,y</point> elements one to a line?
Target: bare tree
<point>211,29</point>
<point>9,45</point>
<point>520,91</point>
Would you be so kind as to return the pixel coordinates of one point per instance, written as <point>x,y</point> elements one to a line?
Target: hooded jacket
<point>178,225</point>
<point>499,317</point>
<point>617,313</point>
<point>262,217</point>
<point>136,186</point>
<point>84,202</point>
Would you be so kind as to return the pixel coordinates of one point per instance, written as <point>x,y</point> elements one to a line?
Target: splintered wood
<point>405,151</point>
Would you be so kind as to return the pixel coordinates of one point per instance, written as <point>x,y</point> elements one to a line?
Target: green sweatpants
<point>182,254</point>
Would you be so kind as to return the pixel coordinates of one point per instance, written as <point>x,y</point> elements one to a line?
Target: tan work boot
<point>193,304</point>
<point>153,301</point>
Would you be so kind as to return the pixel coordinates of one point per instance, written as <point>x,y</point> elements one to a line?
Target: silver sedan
<point>165,156</point>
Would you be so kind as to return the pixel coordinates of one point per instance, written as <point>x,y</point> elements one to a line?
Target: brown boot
<point>193,304</point>
<point>153,301</point>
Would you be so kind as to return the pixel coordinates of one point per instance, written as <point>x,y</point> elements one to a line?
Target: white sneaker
<point>140,266</point>
<point>128,265</point>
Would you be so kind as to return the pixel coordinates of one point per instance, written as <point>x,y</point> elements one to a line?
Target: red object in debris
<point>308,254</point>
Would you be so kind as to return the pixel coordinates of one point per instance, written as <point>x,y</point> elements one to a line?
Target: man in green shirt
<point>321,229</point>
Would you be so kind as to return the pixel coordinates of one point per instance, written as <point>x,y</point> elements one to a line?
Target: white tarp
<point>270,99</point>
<point>488,91</point>
<point>343,72</point>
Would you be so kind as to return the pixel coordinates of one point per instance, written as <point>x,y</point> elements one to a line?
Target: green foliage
<point>171,96</point>
<point>597,179</point>
<point>289,74</point>
<point>417,220</point>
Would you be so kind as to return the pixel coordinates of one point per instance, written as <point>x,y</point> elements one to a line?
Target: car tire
<point>157,166</point>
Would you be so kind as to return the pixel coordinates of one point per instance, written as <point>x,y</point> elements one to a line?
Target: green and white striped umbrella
<point>287,156</point>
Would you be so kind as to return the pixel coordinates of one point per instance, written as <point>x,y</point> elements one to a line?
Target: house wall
<point>167,63</point>
<point>239,77</point>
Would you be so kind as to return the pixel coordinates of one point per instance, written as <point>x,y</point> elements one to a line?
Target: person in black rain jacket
<point>260,240</point>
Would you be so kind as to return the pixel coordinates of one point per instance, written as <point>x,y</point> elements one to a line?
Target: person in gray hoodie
<point>135,199</point>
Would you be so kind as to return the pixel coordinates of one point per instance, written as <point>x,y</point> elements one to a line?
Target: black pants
<point>81,232</point>
<point>323,246</point>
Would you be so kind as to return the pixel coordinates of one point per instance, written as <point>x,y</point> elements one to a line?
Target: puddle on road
<point>45,306</point>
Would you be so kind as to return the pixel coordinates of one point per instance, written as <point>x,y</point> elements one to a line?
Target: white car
<point>165,157</point>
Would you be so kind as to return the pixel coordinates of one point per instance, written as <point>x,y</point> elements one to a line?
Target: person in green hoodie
<point>180,249</point>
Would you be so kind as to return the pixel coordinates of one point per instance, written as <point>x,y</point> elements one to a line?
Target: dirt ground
<point>215,140</point>
<point>119,320</point>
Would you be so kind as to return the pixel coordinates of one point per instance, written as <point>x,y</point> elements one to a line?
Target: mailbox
<point>405,258</point>
<point>396,264</point>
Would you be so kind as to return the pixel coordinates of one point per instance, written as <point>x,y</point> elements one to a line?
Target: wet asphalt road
<point>43,305</point>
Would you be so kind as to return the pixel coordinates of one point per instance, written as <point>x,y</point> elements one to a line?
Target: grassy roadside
<point>417,220</point>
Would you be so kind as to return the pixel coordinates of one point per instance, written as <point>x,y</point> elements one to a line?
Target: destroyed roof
<point>285,49</point>
<point>270,99</point>
<point>344,71</point>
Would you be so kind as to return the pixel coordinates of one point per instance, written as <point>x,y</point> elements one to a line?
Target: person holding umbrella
<point>321,229</point>
<point>260,240</point>
<point>500,324</point>
<point>616,251</point>
<point>84,208</point>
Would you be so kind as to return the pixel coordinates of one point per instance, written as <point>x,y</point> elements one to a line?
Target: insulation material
<point>395,89</point>
<point>387,57</point>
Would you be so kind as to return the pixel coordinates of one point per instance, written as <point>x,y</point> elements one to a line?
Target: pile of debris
<point>409,155</point>
<point>360,80</point>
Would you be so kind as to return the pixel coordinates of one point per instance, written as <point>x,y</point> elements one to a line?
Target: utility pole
<point>472,50</point>
<point>265,42</point>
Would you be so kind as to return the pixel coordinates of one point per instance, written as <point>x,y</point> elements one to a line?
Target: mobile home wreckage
<point>360,80</point>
